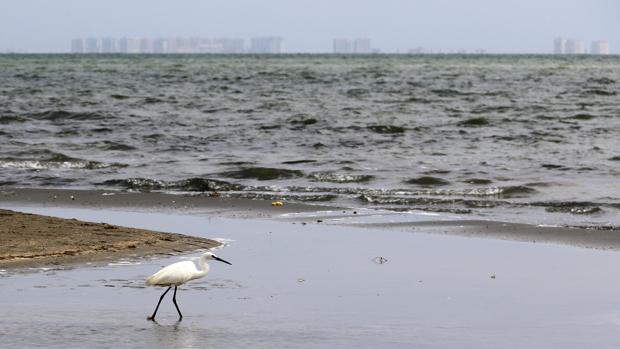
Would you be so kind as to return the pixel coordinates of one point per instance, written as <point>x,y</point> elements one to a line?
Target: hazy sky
<point>499,26</point>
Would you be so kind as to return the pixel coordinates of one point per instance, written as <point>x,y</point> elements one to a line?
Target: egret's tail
<point>150,281</point>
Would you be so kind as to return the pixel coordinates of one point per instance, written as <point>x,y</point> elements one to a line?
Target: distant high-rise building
<point>559,46</point>
<point>179,45</point>
<point>109,45</point>
<point>574,47</point>
<point>416,51</point>
<point>343,46</point>
<point>92,45</point>
<point>146,45</point>
<point>231,45</point>
<point>362,46</point>
<point>77,46</point>
<point>192,45</point>
<point>217,45</point>
<point>206,45</point>
<point>160,45</point>
<point>599,48</point>
<point>129,45</point>
<point>266,45</point>
<point>170,45</point>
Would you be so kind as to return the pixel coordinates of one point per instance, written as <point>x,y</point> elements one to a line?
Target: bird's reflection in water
<point>179,335</point>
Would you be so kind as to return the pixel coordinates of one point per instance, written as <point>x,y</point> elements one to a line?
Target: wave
<point>357,93</point>
<point>386,129</point>
<point>58,115</point>
<point>496,192</point>
<point>340,178</point>
<point>9,119</point>
<point>446,92</point>
<point>474,122</point>
<point>406,200</point>
<point>427,181</point>
<point>485,109</point>
<point>116,146</point>
<point>601,81</point>
<point>573,207</point>
<point>416,203</point>
<point>152,100</point>
<point>576,210</point>
<point>301,120</point>
<point>262,173</point>
<point>286,197</point>
<point>583,116</point>
<point>599,92</point>
<point>56,161</point>
<point>190,184</point>
<point>461,201</point>
<point>478,181</point>
<point>303,161</point>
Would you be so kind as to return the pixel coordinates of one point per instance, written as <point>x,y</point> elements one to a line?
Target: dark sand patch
<point>114,199</point>
<point>574,236</point>
<point>28,240</point>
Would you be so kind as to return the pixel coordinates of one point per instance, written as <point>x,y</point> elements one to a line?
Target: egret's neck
<point>204,267</point>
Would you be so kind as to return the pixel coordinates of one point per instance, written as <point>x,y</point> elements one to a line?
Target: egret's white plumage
<point>179,273</point>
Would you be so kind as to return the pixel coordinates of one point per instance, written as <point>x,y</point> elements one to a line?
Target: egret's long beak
<point>221,260</point>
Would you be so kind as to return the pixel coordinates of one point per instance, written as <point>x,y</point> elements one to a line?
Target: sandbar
<point>30,241</point>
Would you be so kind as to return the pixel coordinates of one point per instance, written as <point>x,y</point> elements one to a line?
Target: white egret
<point>177,274</point>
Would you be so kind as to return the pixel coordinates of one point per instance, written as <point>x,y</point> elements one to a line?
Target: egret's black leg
<point>152,317</point>
<point>174,300</point>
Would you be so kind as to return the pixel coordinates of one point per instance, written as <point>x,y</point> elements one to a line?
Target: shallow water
<point>321,286</point>
<point>523,138</point>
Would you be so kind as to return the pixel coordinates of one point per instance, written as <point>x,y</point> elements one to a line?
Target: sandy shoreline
<point>195,203</point>
<point>29,240</point>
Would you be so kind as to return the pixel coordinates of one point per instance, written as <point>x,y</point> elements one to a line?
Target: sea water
<point>522,138</point>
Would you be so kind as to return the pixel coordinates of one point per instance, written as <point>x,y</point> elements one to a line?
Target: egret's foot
<point>150,318</point>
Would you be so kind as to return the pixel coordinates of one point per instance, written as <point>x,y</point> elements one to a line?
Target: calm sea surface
<point>523,138</point>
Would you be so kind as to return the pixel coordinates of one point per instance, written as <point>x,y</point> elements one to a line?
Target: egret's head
<point>210,255</point>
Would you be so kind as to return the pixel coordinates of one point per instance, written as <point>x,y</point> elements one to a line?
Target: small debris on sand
<point>380,260</point>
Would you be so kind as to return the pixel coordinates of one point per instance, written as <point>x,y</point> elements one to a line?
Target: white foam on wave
<point>123,263</point>
<point>223,243</point>
<point>46,165</point>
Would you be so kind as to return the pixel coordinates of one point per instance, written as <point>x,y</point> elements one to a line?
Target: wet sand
<point>579,237</point>
<point>308,276</point>
<point>118,200</point>
<point>30,241</point>
<point>321,285</point>
<point>207,204</point>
